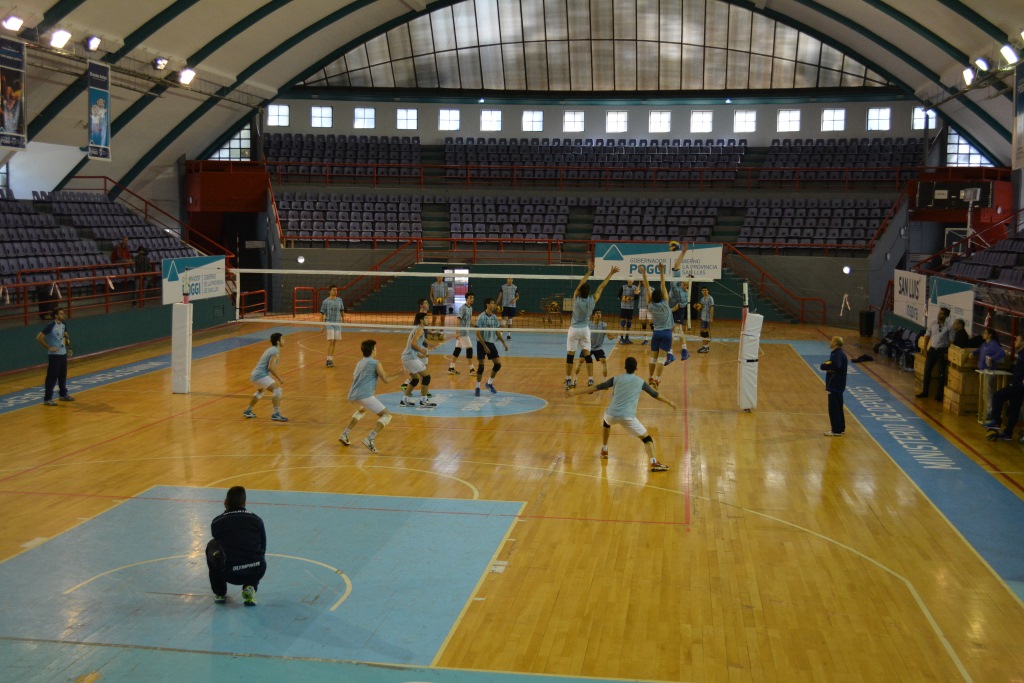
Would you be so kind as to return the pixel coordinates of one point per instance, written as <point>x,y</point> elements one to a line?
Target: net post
<point>181,348</point>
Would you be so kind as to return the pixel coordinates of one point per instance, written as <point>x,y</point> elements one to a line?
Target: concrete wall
<point>822,277</point>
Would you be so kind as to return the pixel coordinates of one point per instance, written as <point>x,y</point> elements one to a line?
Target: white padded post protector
<point>750,344</point>
<point>181,348</point>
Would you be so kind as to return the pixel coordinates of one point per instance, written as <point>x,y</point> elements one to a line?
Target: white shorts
<point>263,382</point>
<point>578,337</point>
<point>464,342</point>
<point>415,365</point>
<point>630,424</point>
<point>333,333</point>
<point>370,404</point>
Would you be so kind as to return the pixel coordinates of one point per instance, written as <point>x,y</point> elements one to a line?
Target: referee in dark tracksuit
<point>237,553</point>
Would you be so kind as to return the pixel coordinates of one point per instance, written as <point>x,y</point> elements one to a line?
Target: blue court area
<point>464,403</point>
<point>984,511</point>
<point>524,345</point>
<point>350,578</point>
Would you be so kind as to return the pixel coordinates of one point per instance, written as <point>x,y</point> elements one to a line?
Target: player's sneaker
<point>368,442</point>
<point>643,343</point>
<point>249,596</point>
<point>453,371</point>
<point>343,439</point>
<point>703,349</point>
<point>278,417</point>
<point>476,392</point>
<point>569,384</point>
<point>590,382</point>
<point>684,354</point>
<point>407,403</point>
<point>604,453</point>
<point>669,359</point>
<point>51,402</point>
<point>472,370</point>
<point>248,414</point>
<point>427,403</point>
<point>66,397</point>
<point>658,467</point>
<point>833,433</point>
<point>993,424</point>
<point>491,387</point>
<point>220,599</point>
<point>508,336</point>
<point>1000,436</point>
<point>330,363</point>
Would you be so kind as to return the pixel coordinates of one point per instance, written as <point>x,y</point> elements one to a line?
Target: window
<point>572,122</point>
<point>700,122</point>
<point>744,122</point>
<point>789,121</point>
<point>533,121</point>
<point>448,119</point>
<point>660,122</point>
<point>959,152</point>
<point>238,148</point>
<point>833,119</point>
<point>490,119</point>
<point>615,122</point>
<point>406,119</point>
<point>878,118</point>
<point>322,117</point>
<point>924,118</point>
<point>365,117</point>
<point>277,114</point>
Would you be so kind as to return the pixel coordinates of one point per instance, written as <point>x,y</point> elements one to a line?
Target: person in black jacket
<point>1013,393</point>
<point>835,385</point>
<point>237,553</point>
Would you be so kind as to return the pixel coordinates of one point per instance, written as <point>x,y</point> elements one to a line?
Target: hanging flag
<point>12,94</point>
<point>99,111</point>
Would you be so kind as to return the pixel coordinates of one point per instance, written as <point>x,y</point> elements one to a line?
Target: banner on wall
<point>12,94</point>
<point>99,111</point>
<point>702,261</point>
<point>196,277</point>
<point>958,297</point>
<point>910,295</point>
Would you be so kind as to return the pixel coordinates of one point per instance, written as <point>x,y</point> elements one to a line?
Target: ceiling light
<point>981,63</point>
<point>59,38</point>
<point>160,63</point>
<point>186,76</point>
<point>92,43</point>
<point>13,23</point>
<point>1009,54</point>
<point>968,75</point>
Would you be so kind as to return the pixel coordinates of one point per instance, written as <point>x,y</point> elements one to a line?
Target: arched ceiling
<point>248,52</point>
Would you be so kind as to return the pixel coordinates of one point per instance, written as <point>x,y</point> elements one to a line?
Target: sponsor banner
<point>99,111</point>
<point>702,261</point>
<point>12,94</point>
<point>910,296</point>
<point>198,277</point>
<point>958,297</point>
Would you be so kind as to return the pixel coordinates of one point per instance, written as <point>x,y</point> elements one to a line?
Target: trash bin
<point>867,324</point>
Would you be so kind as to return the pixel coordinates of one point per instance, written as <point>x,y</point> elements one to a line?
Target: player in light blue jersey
<point>364,385</point>
<point>414,361</point>
<point>265,377</point>
<point>508,300</point>
<point>622,410</point>
<point>661,327</point>
<point>598,335</point>
<point>439,300</point>
<point>332,310</point>
<point>679,299</point>
<point>54,338</point>
<point>486,344</point>
<point>579,328</point>
<point>706,306</point>
<point>628,294</point>
<point>463,335</point>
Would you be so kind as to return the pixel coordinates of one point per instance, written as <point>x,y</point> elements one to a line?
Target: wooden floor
<point>767,553</point>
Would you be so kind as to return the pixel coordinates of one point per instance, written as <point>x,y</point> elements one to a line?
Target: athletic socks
<point>373,435</point>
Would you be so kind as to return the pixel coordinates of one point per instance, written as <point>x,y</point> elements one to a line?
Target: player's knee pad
<point>569,358</point>
<point>469,354</point>
<point>589,359</point>
<point>647,439</point>
<point>384,419</point>
<point>457,352</point>
<point>629,324</point>
<point>414,382</point>
<point>278,392</point>
<point>480,366</point>
<point>495,368</point>
<point>258,395</point>
<point>661,360</point>
<point>359,415</point>
<point>426,381</point>
<point>705,334</point>
<point>605,425</point>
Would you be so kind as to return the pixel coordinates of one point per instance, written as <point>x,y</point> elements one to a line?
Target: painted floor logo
<point>465,404</point>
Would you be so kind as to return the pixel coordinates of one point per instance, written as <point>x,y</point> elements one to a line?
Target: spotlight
<point>968,75</point>
<point>301,259</point>
<point>728,100</point>
<point>481,100</point>
<point>186,75</point>
<point>846,270</point>
<point>92,43</point>
<point>160,63</point>
<point>59,38</point>
<point>1009,54</point>
<point>13,23</point>
<point>981,63</point>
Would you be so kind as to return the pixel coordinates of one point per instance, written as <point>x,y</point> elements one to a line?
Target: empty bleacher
<point>340,219</point>
<point>342,155</point>
<point>812,222</point>
<point>867,159</point>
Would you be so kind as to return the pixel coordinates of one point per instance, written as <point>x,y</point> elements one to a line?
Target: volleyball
<point>498,309</point>
<point>439,300</point>
<point>673,246</point>
<point>697,307</point>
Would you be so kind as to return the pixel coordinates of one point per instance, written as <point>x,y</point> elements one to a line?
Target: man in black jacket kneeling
<point>237,553</point>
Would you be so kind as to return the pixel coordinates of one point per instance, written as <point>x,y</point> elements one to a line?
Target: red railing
<point>252,304</point>
<point>95,294</point>
<point>771,289</point>
<point>976,241</point>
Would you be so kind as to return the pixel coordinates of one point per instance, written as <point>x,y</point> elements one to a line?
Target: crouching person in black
<point>237,553</point>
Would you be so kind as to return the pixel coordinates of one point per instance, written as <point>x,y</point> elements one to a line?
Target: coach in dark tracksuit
<point>1013,394</point>
<point>237,553</point>
<point>835,384</point>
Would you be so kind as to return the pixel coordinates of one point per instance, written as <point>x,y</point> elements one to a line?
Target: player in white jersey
<point>598,335</point>
<point>463,335</point>
<point>413,360</point>
<point>265,377</point>
<point>578,336</point>
<point>622,410</point>
<point>508,300</point>
<point>333,311</point>
<point>364,384</point>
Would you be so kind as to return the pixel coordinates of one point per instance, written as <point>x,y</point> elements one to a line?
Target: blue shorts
<point>508,312</point>
<point>440,310</point>
<point>597,354</point>
<point>661,340</point>
<point>679,317</point>
<point>486,350</point>
<point>626,313</point>
<point>705,324</point>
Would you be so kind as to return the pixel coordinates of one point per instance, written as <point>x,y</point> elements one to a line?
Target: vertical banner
<point>12,94</point>
<point>99,111</point>
<point>909,295</point>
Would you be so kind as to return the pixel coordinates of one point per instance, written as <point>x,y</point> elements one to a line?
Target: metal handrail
<point>767,286</point>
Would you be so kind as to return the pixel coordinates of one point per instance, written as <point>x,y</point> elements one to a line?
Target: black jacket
<point>835,371</point>
<point>242,538</point>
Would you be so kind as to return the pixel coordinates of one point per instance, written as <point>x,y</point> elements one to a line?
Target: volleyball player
<point>439,298</point>
<point>265,377</point>
<point>508,300</point>
<point>678,299</point>
<point>707,316</point>
<point>364,385</point>
<point>627,306</point>
<point>578,336</point>
<point>463,336</point>
<point>661,327</point>
<point>622,410</point>
<point>486,344</point>
<point>414,361</point>
<point>598,334</point>
<point>333,311</point>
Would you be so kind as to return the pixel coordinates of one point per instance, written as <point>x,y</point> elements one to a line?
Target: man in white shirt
<point>936,344</point>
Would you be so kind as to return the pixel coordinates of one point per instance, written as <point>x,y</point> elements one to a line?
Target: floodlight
<point>92,43</point>
<point>968,75</point>
<point>1009,54</point>
<point>13,23</point>
<point>186,76</point>
<point>981,63</point>
<point>59,38</point>
<point>160,63</point>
